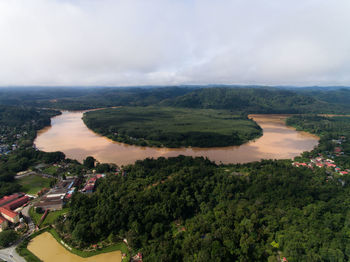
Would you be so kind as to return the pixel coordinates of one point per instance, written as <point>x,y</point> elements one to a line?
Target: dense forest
<point>18,127</point>
<point>189,209</point>
<point>172,127</point>
<point>255,100</point>
<point>88,98</point>
<point>249,99</point>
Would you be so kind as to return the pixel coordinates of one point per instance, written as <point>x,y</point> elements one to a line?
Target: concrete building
<point>11,216</point>
<point>54,199</point>
<point>50,203</point>
<point>7,206</point>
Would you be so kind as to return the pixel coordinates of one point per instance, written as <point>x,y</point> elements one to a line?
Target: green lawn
<point>172,127</point>
<point>50,218</point>
<point>32,184</point>
<point>51,170</point>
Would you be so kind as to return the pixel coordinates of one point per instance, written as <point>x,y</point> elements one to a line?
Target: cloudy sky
<point>165,42</point>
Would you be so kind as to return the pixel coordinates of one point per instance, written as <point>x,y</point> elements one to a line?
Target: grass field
<point>172,127</point>
<point>51,170</point>
<point>50,218</point>
<point>32,184</point>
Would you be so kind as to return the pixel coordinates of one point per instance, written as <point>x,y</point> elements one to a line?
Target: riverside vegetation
<point>172,127</point>
<point>190,209</point>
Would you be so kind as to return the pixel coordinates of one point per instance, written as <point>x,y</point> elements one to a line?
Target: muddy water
<point>69,134</point>
<point>47,249</point>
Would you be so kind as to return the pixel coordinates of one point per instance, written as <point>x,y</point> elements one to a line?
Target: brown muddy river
<point>69,134</point>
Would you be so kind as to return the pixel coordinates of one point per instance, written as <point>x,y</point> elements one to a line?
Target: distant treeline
<point>17,116</point>
<point>242,99</point>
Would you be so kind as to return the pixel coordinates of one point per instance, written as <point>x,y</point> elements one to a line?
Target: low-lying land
<point>172,127</point>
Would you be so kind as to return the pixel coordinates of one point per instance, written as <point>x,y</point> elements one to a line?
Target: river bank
<point>69,134</point>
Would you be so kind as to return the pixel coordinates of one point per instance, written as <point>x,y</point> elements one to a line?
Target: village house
<point>91,183</point>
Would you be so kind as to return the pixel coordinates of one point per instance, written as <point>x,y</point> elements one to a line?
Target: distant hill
<point>258,100</point>
<point>246,99</point>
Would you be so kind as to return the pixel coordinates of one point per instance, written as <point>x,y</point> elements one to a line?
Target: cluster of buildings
<point>338,150</point>
<point>9,141</point>
<point>328,163</point>
<point>320,162</point>
<point>8,206</point>
<point>57,196</point>
<point>6,149</point>
<point>91,183</point>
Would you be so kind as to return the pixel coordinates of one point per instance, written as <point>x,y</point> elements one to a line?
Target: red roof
<point>7,199</point>
<point>337,149</point>
<point>8,212</point>
<point>89,187</point>
<point>68,196</point>
<point>17,203</point>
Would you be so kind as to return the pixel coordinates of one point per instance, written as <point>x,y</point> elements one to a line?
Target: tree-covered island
<point>172,127</point>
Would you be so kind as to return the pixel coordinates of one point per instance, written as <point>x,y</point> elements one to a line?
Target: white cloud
<point>131,42</point>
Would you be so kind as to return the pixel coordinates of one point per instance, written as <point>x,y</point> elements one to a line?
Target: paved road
<point>9,254</point>
<point>25,212</point>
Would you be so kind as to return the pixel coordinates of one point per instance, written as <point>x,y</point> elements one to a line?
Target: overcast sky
<point>166,42</point>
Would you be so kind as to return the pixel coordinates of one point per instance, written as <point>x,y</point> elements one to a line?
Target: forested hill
<point>88,98</point>
<point>239,99</point>
<point>257,100</point>
<point>340,97</point>
<point>185,209</point>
